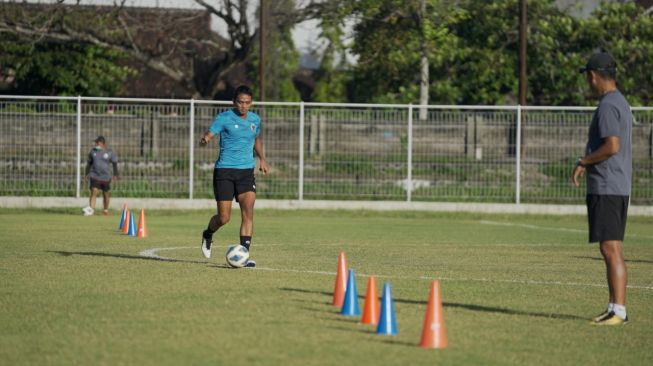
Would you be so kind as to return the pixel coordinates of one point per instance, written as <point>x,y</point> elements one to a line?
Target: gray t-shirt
<point>612,176</point>
<point>101,163</point>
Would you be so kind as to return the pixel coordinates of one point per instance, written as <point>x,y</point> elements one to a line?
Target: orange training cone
<point>341,281</point>
<point>125,226</point>
<point>141,232</point>
<point>372,307</point>
<point>434,334</point>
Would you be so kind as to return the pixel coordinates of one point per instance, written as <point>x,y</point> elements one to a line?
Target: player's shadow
<point>137,257</point>
<point>471,307</point>
<point>626,260</point>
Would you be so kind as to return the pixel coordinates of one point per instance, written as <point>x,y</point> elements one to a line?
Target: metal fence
<point>316,150</point>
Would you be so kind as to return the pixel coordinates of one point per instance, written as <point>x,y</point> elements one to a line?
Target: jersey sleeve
<point>89,158</point>
<point>609,121</point>
<point>258,126</point>
<point>218,124</point>
<point>114,157</point>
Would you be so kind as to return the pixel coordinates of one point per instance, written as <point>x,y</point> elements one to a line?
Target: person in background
<point>608,164</point>
<point>102,170</point>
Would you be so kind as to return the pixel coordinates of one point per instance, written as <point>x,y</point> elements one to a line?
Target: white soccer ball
<point>237,256</point>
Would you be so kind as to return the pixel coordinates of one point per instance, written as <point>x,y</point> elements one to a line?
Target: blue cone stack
<point>387,321</point>
<point>132,225</point>
<point>350,304</point>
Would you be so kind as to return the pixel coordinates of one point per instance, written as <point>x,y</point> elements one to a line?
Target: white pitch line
<point>529,226</point>
<point>151,253</point>
<point>536,227</point>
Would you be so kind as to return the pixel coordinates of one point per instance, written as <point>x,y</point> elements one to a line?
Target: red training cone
<point>434,334</point>
<point>341,281</point>
<point>372,307</point>
<point>141,231</point>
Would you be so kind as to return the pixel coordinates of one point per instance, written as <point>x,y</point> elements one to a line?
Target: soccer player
<point>233,175</point>
<point>608,163</point>
<point>99,166</point>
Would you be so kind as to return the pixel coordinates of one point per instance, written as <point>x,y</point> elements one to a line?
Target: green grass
<point>517,290</point>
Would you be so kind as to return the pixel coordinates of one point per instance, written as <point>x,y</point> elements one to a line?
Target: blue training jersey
<point>237,136</point>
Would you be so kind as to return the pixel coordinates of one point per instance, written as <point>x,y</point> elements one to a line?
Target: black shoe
<point>206,243</point>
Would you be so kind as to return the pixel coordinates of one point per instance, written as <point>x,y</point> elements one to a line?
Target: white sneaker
<point>88,211</point>
<point>206,244</point>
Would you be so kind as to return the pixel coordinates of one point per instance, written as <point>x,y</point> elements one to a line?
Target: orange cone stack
<point>141,231</point>
<point>434,334</point>
<point>372,307</point>
<point>125,226</point>
<point>341,281</point>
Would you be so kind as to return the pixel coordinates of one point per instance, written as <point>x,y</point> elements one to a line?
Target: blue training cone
<point>132,226</point>
<point>350,305</point>
<point>123,217</point>
<point>387,321</point>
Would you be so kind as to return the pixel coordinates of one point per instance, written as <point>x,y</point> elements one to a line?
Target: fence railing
<point>316,150</point>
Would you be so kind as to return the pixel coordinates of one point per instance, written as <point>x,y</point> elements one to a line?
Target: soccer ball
<point>237,256</point>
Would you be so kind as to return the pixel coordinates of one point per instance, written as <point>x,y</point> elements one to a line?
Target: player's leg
<point>224,191</point>
<point>246,201</point>
<point>88,211</point>
<point>106,196</point>
<point>610,213</point>
<point>246,196</point>
<point>617,274</point>
<point>93,198</point>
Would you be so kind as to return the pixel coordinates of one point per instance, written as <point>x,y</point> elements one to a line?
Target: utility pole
<point>523,37</point>
<point>263,19</point>
<point>424,63</point>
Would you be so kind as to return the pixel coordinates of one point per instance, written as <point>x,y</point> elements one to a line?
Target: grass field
<point>517,290</point>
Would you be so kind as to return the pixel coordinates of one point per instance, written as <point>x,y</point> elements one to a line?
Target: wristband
<point>579,162</point>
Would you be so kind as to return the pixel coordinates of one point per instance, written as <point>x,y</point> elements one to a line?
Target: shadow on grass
<point>626,260</point>
<point>129,256</point>
<point>471,307</point>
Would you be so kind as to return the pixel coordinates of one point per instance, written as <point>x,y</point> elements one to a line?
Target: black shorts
<point>104,185</point>
<point>606,215</point>
<point>229,183</point>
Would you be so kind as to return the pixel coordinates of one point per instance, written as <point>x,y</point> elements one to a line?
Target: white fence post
<point>301,152</point>
<point>518,158</point>
<point>79,145</point>
<point>409,177</point>
<point>191,143</point>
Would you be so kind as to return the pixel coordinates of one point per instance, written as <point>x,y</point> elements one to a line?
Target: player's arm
<point>258,149</point>
<point>611,146</point>
<point>206,137</point>
<point>115,170</point>
<point>87,171</point>
<point>217,126</point>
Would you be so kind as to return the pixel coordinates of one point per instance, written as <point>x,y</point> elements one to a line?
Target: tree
<point>625,30</point>
<point>472,46</point>
<point>333,75</point>
<point>53,68</point>
<point>199,62</point>
<point>390,37</point>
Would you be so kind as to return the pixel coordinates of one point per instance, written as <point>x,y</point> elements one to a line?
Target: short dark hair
<point>243,89</point>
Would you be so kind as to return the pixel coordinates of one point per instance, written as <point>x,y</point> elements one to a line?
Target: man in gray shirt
<point>101,161</point>
<point>608,163</point>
